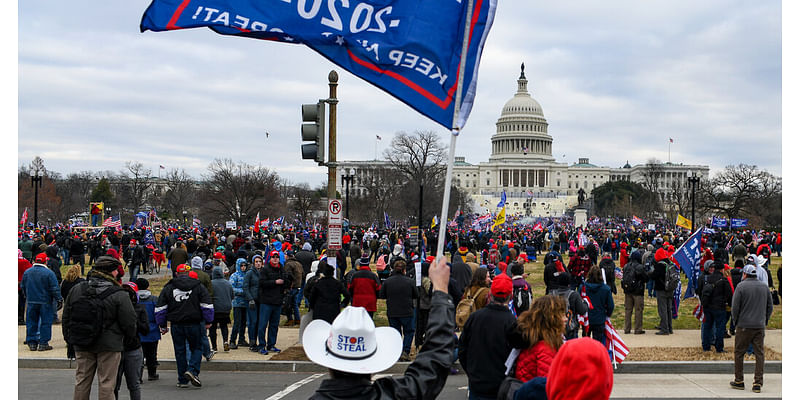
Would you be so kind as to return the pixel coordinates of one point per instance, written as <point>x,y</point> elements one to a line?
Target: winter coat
<point>295,269</point>
<point>118,313</point>
<point>40,285</point>
<point>305,258</point>
<point>327,298</point>
<point>142,328</point>
<point>184,300</point>
<point>721,295</point>
<point>608,267</point>
<point>237,284</point>
<point>223,291</point>
<point>399,292</point>
<point>270,292</point>
<point>486,340</point>
<point>250,286</point>
<point>602,301</point>
<point>148,301</point>
<point>424,378</point>
<point>462,273</point>
<point>534,361</point>
<point>364,289</point>
<point>66,286</point>
<point>550,273</point>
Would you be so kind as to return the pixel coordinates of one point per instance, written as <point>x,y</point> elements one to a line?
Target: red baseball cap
<point>41,258</point>
<point>183,268</point>
<point>274,253</point>
<point>502,286</point>
<point>133,286</point>
<point>218,256</point>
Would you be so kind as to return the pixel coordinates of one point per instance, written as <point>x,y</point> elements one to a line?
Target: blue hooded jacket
<point>237,281</point>
<point>602,302</point>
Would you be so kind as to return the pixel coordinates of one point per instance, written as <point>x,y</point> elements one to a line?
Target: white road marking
<point>291,388</point>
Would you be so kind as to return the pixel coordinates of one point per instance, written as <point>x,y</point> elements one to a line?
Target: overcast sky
<point>615,79</point>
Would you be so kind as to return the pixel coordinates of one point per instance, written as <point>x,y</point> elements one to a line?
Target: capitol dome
<point>522,129</point>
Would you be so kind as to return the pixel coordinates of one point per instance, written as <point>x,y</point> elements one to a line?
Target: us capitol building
<point>522,164</point>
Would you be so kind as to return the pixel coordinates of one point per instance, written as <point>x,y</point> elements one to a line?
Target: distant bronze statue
<point>581,196</point>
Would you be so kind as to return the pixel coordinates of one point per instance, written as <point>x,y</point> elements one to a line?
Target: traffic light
<point>313,129</point>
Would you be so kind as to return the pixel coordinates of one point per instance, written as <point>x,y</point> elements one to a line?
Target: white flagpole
<point>448,179</point>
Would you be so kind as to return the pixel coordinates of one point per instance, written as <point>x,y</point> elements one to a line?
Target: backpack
<point>464,308</point>
<point>628,283</point>
<point>650,264</point>
<point>672,277</point>
<point>494,257</point>
<point>707,292</point>
<point>522,298</point>
<point>87,322</point>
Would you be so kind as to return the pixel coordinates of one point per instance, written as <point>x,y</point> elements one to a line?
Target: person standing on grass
<point>634,279</point>
<point>602,302</point>
<point>750,310</point>
<point>664,298</point>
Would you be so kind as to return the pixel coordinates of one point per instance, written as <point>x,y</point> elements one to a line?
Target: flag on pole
<point>538,226</point>
<point>386,220</point>
<point>616,346</point>
<point>257,225</point>
<point>636,220</point>
<point>688,256</point>
<point>195,221</point>
<point>413,50</point>
<point>683,222</point>
<point>434,222</point>
<point>500,219</point>
<point>24,218</point>
<point>502,202</point>
<point>113,222</point>
<point>671,141</point>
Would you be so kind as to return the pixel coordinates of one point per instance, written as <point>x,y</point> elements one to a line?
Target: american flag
<point>113,221</point>
<point>583,320</point>
<point>616,346</point>
<point>698,313</point>
<point>636,220</point>
<point>195,221</point>
<point>617,273</point>
<point>24,218</point>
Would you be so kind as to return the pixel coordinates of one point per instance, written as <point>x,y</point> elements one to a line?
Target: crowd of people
<point>478,308</point>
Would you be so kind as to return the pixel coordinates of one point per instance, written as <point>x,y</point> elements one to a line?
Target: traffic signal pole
<point>333,79</point>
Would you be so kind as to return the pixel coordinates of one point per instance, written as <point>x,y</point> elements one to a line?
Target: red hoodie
<point>581,370</point>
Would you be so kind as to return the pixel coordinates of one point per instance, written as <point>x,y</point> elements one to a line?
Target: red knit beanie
<point>581,370</point>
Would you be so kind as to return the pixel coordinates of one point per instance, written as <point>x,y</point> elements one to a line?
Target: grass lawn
<point>535,272</point>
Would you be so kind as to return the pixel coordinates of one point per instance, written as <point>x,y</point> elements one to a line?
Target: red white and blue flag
<point>636,220</point>
<point>410,49</point>
<point>698,312</point>
<point>24,218</point>
<point>113,222</point>
<point>616,347</point>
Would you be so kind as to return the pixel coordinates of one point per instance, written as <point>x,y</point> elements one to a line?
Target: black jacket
<point>399,292</point>
<point>608,267</point>
<point>462,274</point>
<point>423,379</point>
<point>325,298</point>
<point>270,292</point>
<point>305,258</point>
<point>184,300</point>
<point>721,295</point>
<point>488,336</point>
<point>640,277</point>
<point>550,272</point>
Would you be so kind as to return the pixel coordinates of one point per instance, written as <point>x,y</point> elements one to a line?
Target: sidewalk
<point>288,337</point>
<point>691,386</point>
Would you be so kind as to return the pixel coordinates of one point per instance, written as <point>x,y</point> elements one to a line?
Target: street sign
<point>334,237</point>
<point>335,212</point>
<point>413,233</point>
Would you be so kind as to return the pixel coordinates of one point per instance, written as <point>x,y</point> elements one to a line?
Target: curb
<point>630,367</point>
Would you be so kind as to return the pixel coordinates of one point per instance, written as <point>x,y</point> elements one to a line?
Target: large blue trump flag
<point>409,48</point>
<point>687,256</point>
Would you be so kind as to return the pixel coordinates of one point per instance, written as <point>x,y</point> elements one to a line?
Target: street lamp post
<point>347,178</point>
<point>36,181</point>
<point>693,180</point>
<point>184,217</point>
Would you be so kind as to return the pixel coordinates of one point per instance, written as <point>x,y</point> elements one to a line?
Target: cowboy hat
<point>352,343</point>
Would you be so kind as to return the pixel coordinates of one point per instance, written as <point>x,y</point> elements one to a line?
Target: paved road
<point>287,385</point>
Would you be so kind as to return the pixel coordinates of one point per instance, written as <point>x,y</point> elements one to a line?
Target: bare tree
<point>135,184</point>
<point>74,191</point>
<point>653,176</point>
<point>238,191</point>
<point>304,201</point>
<point>742,191</point>
<point>180,192</point>
<point>419,156</point>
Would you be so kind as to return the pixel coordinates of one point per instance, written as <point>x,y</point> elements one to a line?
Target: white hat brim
<point>389,342</point>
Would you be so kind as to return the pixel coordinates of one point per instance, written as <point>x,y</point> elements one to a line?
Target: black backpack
<point>628,282</point>
<point>707,292</point>
<point>672,277</point>
<point>86,324</point>
<point>522,298</point>
<point>650,264</point>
